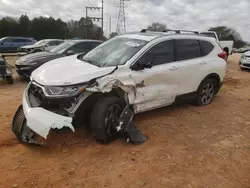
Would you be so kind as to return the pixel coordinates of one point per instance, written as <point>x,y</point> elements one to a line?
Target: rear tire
<point>206,92</point>
<point>104,119</point>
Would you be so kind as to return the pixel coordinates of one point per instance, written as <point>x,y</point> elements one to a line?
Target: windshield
<point>41,42</point>
<point>62,47</point>
<point>114,52</point>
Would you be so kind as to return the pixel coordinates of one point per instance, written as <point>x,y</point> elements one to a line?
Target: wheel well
<point>83,112</point>
<point>211,76</point>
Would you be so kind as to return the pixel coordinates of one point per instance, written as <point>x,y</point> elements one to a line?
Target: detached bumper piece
<point>130,132</point>
<point>21,130</point>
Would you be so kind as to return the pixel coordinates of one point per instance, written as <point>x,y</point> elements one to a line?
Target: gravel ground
<point>188,146</point>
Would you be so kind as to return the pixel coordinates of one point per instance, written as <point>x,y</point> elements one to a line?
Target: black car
<point>27,64</point>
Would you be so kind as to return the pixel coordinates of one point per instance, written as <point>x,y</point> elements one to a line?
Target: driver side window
<point>159,54</point>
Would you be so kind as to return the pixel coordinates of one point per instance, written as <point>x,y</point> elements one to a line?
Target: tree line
<point>43,27</point>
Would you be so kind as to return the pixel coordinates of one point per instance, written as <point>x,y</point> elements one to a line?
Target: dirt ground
<point>188,146</point>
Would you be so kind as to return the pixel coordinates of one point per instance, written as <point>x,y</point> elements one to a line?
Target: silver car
<point>42,45</point>
<point>245,60</point>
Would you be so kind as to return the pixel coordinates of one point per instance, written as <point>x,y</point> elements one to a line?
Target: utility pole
<point>93,18</point>
<point>110,26</point>
<point>121,21</point>
<point>102,15</point>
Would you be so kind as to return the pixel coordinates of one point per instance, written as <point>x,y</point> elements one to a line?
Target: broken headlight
<point>65,91</point>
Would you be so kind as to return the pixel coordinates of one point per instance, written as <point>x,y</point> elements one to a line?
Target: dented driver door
<point>156,86</point>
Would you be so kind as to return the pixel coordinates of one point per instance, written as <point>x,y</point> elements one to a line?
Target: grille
<point>35,95</point>
<point>18,122</point>
<point>21,66</point>
<point>246,65</point>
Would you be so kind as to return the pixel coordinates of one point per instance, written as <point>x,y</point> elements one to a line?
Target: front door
<point>156,86</point>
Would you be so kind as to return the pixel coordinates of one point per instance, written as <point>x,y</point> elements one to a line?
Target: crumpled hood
<point>247,53</point>
<point>31,46</point>
<point>45,56</point>
<point>68,71</point>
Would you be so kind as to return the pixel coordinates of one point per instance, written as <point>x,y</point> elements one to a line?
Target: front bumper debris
<point>40,120</point>
<point>22,131</point>
<point>130,132</point>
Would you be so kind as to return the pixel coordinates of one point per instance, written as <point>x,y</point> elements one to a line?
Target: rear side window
<point>206,47</point>
<point>92,45</point>
<point>159,54</point>
<point>59,42</point>
<point>53,43</point>
<point>187,49</point>
<point>79,48</point>
<point>21,40</point>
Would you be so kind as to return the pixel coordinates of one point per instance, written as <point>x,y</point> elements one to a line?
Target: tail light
<point>223,55</point>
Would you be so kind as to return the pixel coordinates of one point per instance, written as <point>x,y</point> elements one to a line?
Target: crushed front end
<point>39,113</point>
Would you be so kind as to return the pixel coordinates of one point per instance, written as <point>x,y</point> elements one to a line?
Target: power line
<point>93,8</point>
<point>121,21</point>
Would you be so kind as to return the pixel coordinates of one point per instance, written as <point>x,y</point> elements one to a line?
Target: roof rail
<point>179,31</point>
<point>174,30</point>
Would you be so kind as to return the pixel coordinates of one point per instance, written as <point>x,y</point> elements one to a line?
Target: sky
<point>176,14</point>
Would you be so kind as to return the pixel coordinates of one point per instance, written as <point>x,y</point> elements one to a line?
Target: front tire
<point>206,92</point>
<point>104,119</point>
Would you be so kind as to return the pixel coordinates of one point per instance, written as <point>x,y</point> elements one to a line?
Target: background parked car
<point>42,45</point>
<point>11,44</point>
<point>245,60</point>
<point>227,46</point>
<point>27,64</point>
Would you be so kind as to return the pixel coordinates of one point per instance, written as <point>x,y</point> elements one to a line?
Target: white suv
<point>146,70</point>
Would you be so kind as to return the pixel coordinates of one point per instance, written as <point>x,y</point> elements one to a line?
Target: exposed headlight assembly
<point>64,91</point>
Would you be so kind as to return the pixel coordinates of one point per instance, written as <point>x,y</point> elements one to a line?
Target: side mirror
<point>148,65</point>
<point>141,66</point>
<point>70,52</point>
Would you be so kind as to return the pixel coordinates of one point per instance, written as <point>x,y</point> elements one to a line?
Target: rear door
<point>19,42</point>
<point>8,45</point>
<point>193,65</point>
<point>156,86</point>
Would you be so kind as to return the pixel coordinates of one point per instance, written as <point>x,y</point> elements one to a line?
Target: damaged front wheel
<point>104,119</point>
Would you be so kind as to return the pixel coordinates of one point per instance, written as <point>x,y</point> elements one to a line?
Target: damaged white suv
<point>143,70</point>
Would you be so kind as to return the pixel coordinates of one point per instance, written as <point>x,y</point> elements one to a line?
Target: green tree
<point>113,34</point>
<point>228,33</point>
<point>43,27</point>
<point>156,26</point>
<point>24,26</point>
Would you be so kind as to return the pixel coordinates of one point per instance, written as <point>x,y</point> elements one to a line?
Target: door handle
<point>173,68</point>
<point>203,63</point>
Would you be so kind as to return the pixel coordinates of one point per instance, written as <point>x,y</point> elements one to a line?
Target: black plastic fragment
<point>132,134</point>
<point>21,130</point>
